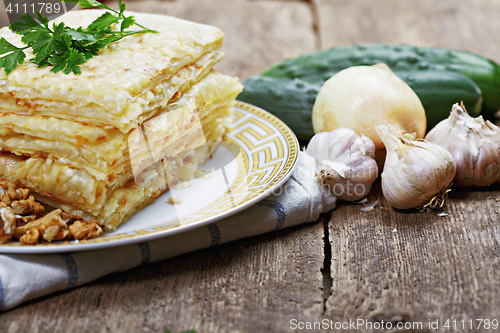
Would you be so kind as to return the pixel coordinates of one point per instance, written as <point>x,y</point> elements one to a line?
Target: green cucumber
<point>292,100</point>
<point>429,87</point>
<point>321,65</point>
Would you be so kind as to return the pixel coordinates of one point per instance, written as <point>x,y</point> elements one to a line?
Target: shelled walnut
<point>10,192</point>
<point>19,199</point>
<point>51,227</point>
<point>27,206</point>
<point>30,237</point>
<point>81,229</point>
<point>57,225</point>
<point>23,218</point>
<point>84,229</point>
<point>8,223</point>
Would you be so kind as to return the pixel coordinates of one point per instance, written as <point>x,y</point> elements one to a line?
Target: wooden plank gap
<point>326,270</point>
<point>316,23</point>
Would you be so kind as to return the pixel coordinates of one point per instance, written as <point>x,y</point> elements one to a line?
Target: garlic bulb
<point>345,161</point>
<point>416,173</point>
<point>475,145</point>
<point>363,97</point>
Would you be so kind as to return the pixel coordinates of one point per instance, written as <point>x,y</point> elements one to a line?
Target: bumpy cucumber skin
<point>429,87</point>
<point>323,64</point>
<point>292,100</point>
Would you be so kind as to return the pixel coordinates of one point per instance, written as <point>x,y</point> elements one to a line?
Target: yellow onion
<point>364,97</point>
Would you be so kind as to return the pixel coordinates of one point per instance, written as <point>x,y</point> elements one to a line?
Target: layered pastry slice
<point>144,114</point>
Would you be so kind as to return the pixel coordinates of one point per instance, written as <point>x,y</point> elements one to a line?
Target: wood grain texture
<point>257,33</point>
<point>411,267</point>
<point>380,265</point>
<point>4,18</point>
<point>470,25</point>
<point>253,285</point>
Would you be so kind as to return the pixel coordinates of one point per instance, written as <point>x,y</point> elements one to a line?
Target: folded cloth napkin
<point>301,199</point>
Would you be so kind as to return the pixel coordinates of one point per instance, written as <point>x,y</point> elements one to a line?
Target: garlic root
<point>417,173</point>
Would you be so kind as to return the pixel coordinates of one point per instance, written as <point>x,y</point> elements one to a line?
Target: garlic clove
<point>474,144</point>
<point>416,173</point>
<point>496,129</point>
<point>346,162</point>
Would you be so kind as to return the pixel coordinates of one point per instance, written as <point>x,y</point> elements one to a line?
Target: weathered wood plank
<point>470,25</point>
<point>415,267</point>
<point>4,19</point>
<point>385,265</point>
<point>257,34</point>
<point>412,267</point>
<point>253,285</point>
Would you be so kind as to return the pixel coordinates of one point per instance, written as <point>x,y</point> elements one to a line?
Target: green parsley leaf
<point>30,37</point>
<point>6,47</point>
<point>65,43</point>
<point>69,62</point>
<point>127,22</point>
<point>63,47</point>
<point>59,63</point>
<point>122,7</point>
<point>73,61</point>
<point>43,20</point>
<point>90,4</point>
<point>45,46</point>
<point>10,61</point>
<point>103,22</point>
<point>87,3</point>
<point>25,24</point>
<point>80,35</point>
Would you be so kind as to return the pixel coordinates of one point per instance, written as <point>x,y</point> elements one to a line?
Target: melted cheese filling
<point>103,152</point>
<point>144,114</point>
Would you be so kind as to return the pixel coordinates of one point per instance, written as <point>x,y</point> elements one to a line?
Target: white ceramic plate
<point>257,156</point>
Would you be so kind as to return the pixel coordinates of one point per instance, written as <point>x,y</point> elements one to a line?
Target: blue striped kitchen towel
<point>24,277</point>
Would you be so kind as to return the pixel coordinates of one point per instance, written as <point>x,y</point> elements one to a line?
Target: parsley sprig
<point>63,47</point>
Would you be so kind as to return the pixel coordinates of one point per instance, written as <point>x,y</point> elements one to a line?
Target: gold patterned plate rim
<point>266,156</point>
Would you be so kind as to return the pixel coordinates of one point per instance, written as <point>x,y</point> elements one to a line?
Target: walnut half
<point>50,226</point>
<point>57,225</point>
<point>30,237</point>
<point>10,192</point>
<point>85,229</point>
<point>8,223</point>
<point>22,217</point>
<point>27,207</point>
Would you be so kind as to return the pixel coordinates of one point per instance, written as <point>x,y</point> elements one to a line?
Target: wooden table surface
<point>383,265</point>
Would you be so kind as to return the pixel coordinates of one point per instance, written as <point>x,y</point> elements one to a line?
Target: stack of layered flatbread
<point>144,114</point>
